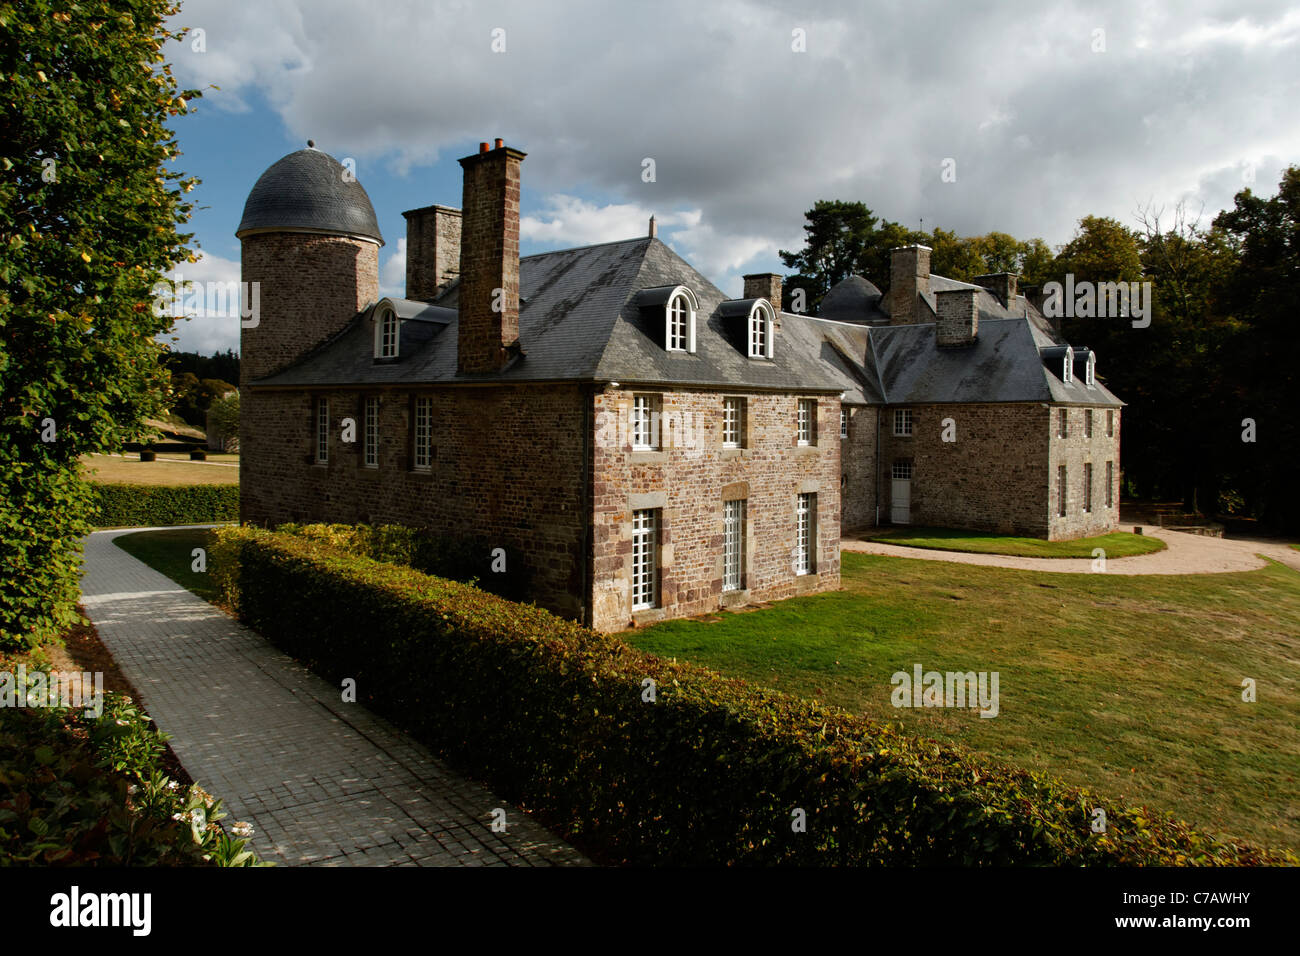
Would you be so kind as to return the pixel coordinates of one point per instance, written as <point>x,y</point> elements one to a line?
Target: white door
<point>900,493</point>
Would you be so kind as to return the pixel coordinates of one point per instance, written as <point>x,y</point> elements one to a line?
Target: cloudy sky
<point>751,111</point>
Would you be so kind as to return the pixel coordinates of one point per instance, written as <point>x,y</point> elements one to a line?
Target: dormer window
<point>1067,367</point>
<point>386,333</point>
<point>679,321</point>
<point>760,330</point>
<point>1090,373</point>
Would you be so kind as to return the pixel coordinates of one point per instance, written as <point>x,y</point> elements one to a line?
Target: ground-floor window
<point>422,453</point>
<point>371,428</point>
<point>645,558</point>
<point>805,534</point>
<point>322,431</point>
<point>733,545</point>
<point>902,469</point>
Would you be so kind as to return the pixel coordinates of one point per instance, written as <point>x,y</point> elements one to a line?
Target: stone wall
<point>992,477</point>
<point>1074,451</point>
<point>858,468</point>
<point>688,480</point>
<point>507,466</point>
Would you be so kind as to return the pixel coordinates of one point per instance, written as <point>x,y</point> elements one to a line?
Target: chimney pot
<point>482,147</point>
<point>500,142</point>
<point>653,229</point>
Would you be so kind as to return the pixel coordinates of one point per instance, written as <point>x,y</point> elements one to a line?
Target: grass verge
<point>1119,544</point>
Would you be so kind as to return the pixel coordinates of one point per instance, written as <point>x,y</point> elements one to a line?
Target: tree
<point>90,226</point>
<point>843,238</point>
<point>223,419</point>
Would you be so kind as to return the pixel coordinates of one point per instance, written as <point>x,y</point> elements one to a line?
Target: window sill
<point>807,449</point>
<point>727,453</point>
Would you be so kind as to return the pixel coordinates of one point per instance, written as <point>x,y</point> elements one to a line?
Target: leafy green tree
<point>223,417</point>
<point>91,211</point>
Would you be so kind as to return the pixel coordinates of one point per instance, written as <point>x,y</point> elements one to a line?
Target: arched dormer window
<point>1067,367</point>
<point>679,321</point>
<point>759,331</point>
<point>1091,370</point>
<point>387,333</point>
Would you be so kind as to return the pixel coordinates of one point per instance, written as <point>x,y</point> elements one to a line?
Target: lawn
<point>172,470</point>
<point>1128,685</point>
<point>172,553</point>
<point>1120,544</point>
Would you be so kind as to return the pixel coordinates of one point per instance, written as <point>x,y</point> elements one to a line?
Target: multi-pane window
<point>1067,368</point>
<point>679,318</point>
<point>1087,487</point>
<point>733,422</point>
<point>1087,423</point>
<point>371,428</point>
<point>322,431</point>
<point>807,421</point>
<point>1110,423</point>
<point>901,469</point>
<point>422,454</point>
<point>388,330</point>
<point>1060,490</point>
<point>645,558</point>
<point>1090,373</point>
<point>1062,422</point>
<point>733,545</point>
<point>844,423</point>
<point>805,533</point>
<point>902,421</point>
<point>645,422</point>
<point>760,335</point>
<point>1110,484</point>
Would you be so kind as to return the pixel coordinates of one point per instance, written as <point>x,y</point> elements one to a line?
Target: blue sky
<point>752,111</point>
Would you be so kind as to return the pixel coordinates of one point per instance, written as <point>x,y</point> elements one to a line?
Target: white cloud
<point>212,303</point>
<point>392,273</point>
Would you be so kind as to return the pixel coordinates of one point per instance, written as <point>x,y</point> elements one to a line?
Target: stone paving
<point>322,782</point>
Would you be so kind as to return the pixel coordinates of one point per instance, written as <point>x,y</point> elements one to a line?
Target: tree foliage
<point>90,226</point>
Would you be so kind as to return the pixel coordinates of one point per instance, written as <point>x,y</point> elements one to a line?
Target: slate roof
<point>583,317</point>
<point>309,190</point>
<point>855,300</point>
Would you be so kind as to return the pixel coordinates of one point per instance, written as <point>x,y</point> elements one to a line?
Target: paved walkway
<point>322,782</point>
<point>1186,554</point>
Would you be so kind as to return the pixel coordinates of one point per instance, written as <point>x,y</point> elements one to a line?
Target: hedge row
<point>125,505</point>
<point>493,567</point>
<point>712,771</point>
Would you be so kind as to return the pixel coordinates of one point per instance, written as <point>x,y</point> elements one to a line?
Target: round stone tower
<point>310,262</point>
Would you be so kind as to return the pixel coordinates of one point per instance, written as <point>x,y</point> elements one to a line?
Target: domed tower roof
<point>309,191</point>
<point>853,299</point>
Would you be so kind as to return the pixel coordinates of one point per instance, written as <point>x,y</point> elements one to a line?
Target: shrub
<point>125,505</point>
<point>555,715</point>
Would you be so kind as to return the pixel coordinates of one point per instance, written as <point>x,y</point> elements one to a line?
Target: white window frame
<point>1062,423</point>
<point>1067,369</point>
<point>733,422</point>
<point>645,559</point>
<point>1087,487</point>
<point>645,421</point>
<point>679,320</point>
<point>902,423</point>
<point>370,438</point>
<point>387,333</point>
<point>805,511</point>
<point>1062,488</point>
<point>806,422</point>
<point>733,544</point>
<point>322,431</point>
<point>844,422</point>
<point>901,469</point>
<point>1090,371</point>
<point>761,325</point>
<point>422,434</point>
<point>1110,423</point>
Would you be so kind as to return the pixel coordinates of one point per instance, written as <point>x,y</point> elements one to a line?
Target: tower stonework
<point>309,247</point>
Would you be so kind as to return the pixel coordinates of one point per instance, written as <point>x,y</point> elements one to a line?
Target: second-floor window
<point>844,423</point>
<point>733,422</point>
<point>1062,423</point>
<point>645,422</point>
<point>807,421</point>
<point>1087,423</point>
<point>422,454</point>
<point>902,421</point>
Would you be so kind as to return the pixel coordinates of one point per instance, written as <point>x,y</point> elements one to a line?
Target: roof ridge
<point>590,245</point>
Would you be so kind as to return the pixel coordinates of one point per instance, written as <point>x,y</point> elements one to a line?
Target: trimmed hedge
<point>710,772</point>
<point>126,505</point>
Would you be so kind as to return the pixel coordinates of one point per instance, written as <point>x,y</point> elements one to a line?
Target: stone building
<point>647,446</point>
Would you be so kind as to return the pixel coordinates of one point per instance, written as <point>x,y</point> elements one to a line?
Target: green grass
<point>1119,544</point>
<point>112,469</point>
<point>1128,685</point>
<point>172,553</point>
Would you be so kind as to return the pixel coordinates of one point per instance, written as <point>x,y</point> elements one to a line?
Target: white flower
<point>173,785</point>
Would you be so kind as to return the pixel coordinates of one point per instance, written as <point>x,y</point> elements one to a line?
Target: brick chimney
<point>1001,284</point>
<point>488,300</point>
<point>909,277</point>
<point>958,319</point>
<point>432,250</point>
<point>764,285</point>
